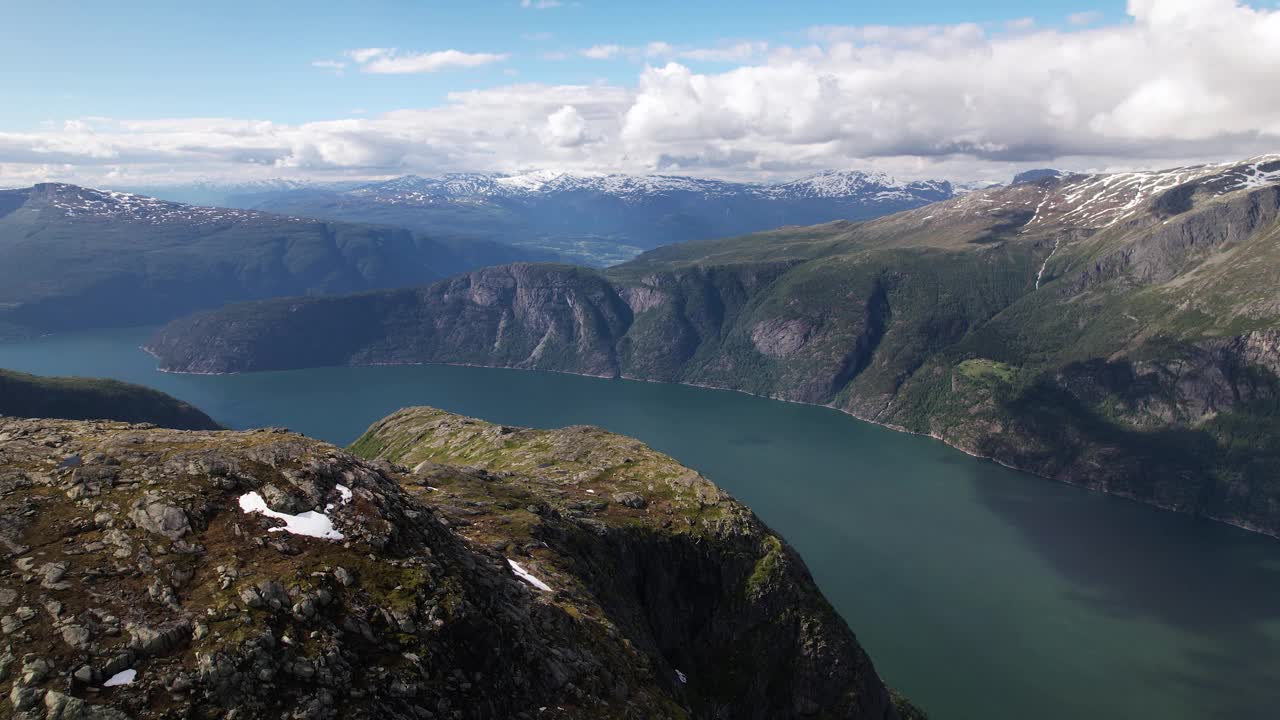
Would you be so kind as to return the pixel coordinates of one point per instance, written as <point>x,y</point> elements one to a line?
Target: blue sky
<point>148,60</point>
<point>137,92</point>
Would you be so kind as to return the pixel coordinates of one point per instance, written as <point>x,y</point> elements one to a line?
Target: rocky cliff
<point>1113,331</point>
<point>509,573</point>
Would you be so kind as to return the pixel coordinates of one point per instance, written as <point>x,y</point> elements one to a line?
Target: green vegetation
<point>23,395</point>
<point>766,566</point>
<point>987,371</point>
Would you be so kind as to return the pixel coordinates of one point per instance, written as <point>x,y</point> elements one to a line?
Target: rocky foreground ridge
<point>1114,331</point>
<point>457,570</point>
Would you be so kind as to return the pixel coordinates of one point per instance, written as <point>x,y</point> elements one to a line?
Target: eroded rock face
<point>159,596</point>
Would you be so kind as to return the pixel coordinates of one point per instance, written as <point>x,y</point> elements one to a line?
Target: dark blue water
<point>979,591</point>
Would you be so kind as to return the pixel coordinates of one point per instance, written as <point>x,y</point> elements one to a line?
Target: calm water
<point>979,591</point>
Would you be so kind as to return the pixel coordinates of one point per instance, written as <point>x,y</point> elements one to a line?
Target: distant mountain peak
<point>1036,175</point>
<point>82,203</point>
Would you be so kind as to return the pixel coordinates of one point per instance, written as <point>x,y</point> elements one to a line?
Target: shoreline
<point>889,426</point>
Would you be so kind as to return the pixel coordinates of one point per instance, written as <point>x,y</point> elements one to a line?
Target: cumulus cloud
<point>391,62</point>
<point>567,127</point>
<point>1181,80</point>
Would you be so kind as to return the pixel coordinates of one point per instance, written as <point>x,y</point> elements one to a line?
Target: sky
<point>138,93</point>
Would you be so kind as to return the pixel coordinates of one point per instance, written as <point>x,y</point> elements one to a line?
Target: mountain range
<point>73,257</point>
<point>595,219</point>
<point>1117,331</point>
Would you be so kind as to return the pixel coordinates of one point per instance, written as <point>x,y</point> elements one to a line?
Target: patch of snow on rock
<point>309,523</point>
<point>527,576</point>
<point>124,677</point>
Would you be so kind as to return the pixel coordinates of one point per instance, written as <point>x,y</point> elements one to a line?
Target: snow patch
<point>684,679</point>
<point>309,523</point>
<point>527,576</point>
<point>124,677</point>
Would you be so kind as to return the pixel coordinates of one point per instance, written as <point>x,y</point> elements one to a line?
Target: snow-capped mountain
<point>830,184</point>
<point>1054,201</point>
<point>71,202</point>
<point>596,218</point>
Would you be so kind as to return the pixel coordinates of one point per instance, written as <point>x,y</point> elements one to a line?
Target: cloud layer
<point>1181,80</point>
<point>391,62</point>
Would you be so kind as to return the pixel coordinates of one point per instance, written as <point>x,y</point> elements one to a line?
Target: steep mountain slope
<point>605,219</point>
<point>1118,331</point>
<point>23,395</point>
<point>576,574</point>
<point>71,257</point>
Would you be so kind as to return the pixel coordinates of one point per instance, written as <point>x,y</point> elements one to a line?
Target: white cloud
<point>567,127</point>
<point>540,4</point>
<point>737,52</point>
<point>658,50</point>
<point>364,55</point>
<point>601,52</point>
<point>1181,80</point>
<point>334,65</point>
<point>389,61</point>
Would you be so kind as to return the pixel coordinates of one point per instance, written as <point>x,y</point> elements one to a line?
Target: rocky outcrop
<point>283,577</point>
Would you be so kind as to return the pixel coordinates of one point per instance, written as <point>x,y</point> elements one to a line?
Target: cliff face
<point>1115,332</point>
<point>157,573</point>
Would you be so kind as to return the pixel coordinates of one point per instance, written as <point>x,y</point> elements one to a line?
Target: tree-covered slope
<point>73,258</point>
<point>23,395</point>
<point>1116,331</point>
